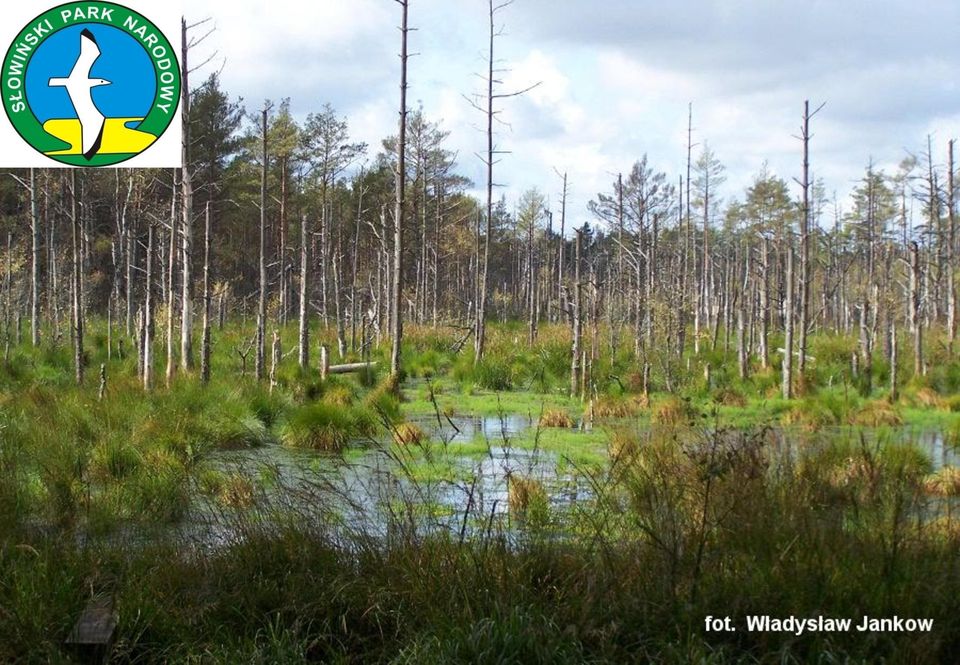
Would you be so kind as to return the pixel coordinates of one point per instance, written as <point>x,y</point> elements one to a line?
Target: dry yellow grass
<point>556,418</point>
<point>409,434</point>
<point>671,411</point>
<point>523,492</point>
<point>237,491</point>
<point>729,397</point>
<point>928,398</point>
<point>624,446</point>
<point>945,482</point>
<point>339,396</point>
<point>945,527</point>
<point>877,413</point>
<point>619,407</point>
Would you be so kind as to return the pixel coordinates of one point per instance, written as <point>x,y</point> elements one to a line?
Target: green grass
<point>694,516</point>
<point>454,400</point>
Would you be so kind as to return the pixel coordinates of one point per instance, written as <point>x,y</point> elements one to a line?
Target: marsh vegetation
<point>349,519</point>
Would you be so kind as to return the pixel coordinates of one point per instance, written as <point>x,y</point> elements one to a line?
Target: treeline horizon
<point>287,221</point>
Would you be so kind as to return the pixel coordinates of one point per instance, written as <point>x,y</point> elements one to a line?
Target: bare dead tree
<point>34,261</point>
<point>205,340</point>
<point>188,43</point>
<point>259,366</point>
<point>303,337</point>
<point>146,354</point>
<point>171,299</point>
<point>396,309</point>
<point>35,233</point>
<point>186,199</point>
<point>490,160</point>
<point>788,328</point>
<point>916,275</point>
<point>576,314</point>
<point>951,251</point>
<point>78,352</point>
<point>563,227</point>
<point>805,241</point>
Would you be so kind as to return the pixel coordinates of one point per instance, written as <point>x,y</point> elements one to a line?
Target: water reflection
<point>375,486</point>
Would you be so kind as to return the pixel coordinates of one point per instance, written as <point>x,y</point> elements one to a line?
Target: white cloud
<point>616,81</point>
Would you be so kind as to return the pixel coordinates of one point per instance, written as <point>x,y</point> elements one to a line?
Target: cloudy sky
<point>616,78</point>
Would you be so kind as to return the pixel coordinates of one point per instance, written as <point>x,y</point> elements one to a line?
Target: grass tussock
<point>945,482</point>
<point>609,406</point>
<point>928,397</point>
<point>624,446</point>
<point>319,427</point>
<point>729,396</point>
<point>877,413</point>
<point>672,411</point>
<point>827,408</point>
<point>408,434</point>
<point>339,396</point>
<point>230,490</point>
<point>525,494</point>
<point>556,418</point>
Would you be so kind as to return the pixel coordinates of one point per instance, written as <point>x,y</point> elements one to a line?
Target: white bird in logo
<point>78,86</point>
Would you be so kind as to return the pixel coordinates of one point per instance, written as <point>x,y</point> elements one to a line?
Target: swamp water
<point>368,488</point>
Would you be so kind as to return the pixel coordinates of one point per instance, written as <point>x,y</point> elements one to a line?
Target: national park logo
<point>90,83</point>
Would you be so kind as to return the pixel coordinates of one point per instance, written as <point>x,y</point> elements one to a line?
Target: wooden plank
<point>91,639</point>
<point>350,367</point>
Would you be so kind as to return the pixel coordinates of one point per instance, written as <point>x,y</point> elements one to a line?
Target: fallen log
<point>326,368</point>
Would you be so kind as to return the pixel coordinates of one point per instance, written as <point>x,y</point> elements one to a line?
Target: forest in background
<point>280,220</point>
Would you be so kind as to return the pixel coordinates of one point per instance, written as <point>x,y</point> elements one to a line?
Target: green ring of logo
<point>14,72</point>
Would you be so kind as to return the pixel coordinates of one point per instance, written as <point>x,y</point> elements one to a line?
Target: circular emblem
<point>90,83</point>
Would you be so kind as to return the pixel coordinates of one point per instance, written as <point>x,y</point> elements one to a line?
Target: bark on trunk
<point>205,340</point>
<point>262,300</point>
<point>396,310</point>
<point>78,352</point>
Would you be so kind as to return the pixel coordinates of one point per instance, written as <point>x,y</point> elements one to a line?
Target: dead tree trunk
<point>147,333</point>
<point>7,300</point>
<point>690,242</point>
<point>741,318</point>
<point>303,338</point>
<point>186,182</point>
<point>951,253</point>
<point>915,302</point>
<point>560,252</point>
<point>531,285</point>
<point>893,359</point>
<point>53,287</point>
<point>396,309</point>
<point>575,319</point>
<point>129,264</point>
<point>764,302</point>
<point>355,259</point>
<point>78,360</point>
<point>481,329</point>
<point>34,261</point>
<point>205,340</point>
<point>788,326</point>
<point>282,249</point>
<point>171,300</point>
<point>804,244</point>
<point>262,301</point>
<point>684,250</point>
